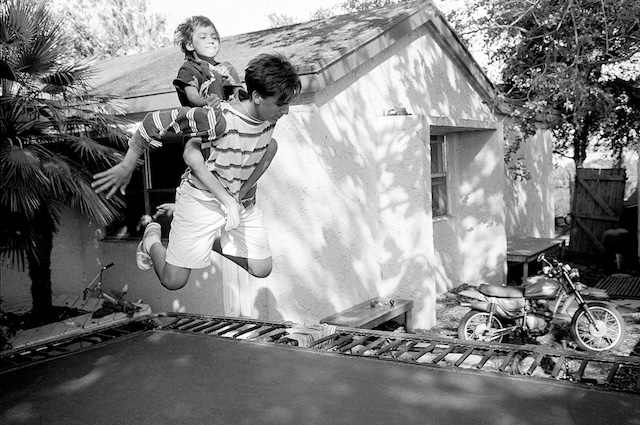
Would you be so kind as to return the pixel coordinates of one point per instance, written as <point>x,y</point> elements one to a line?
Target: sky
<point>241,16</point>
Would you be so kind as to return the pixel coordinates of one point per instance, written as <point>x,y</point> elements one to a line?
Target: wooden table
<point>372,313</point>
<point>526,250</point>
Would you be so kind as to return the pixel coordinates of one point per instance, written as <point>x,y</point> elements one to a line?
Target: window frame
<point>440,178</point>
<point>153,182</point>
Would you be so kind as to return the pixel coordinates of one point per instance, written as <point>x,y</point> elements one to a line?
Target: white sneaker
<point>143,259</point>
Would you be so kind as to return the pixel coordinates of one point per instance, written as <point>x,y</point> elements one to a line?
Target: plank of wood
<point>72,325</point>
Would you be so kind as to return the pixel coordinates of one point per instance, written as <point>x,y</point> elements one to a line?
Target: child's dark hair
<point>273,75</point>
<point>184,33</point>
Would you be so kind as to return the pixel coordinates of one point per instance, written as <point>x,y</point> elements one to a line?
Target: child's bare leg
<point>258,268</point>
<point>171,277</point>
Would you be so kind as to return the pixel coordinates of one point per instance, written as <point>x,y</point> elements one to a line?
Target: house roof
<point>322,50</point>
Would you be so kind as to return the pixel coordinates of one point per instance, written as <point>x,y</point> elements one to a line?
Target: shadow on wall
<point>264,299</point>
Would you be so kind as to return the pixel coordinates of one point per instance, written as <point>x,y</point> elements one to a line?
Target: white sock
<point>149,239</point>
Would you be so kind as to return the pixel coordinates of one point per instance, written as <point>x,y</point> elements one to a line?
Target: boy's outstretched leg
<point>151,252</point>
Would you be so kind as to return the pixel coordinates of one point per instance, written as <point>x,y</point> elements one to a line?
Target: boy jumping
<point>211,193</point>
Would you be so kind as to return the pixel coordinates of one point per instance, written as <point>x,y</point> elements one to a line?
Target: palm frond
<point>73,189</point>
<point>23,186</point>
<point>16,23</point>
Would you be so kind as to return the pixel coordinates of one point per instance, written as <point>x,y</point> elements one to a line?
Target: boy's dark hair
<point>184,33</point>
<point>271,74</point>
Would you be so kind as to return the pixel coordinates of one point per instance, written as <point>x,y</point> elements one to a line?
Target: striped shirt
<point>234,141</point>
<point>234,155</point>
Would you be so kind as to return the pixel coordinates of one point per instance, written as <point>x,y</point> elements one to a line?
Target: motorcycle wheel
<point>607,332</point>
<point>474,324</point>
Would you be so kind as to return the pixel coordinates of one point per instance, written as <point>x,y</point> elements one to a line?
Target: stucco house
<point>389,180</point>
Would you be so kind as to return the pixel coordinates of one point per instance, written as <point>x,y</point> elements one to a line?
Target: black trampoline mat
<point>161,377</point>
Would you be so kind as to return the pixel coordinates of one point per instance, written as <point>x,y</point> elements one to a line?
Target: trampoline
<point>161,376</point>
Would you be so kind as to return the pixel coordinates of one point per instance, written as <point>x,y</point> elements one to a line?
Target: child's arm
<point>246,196</point>
<point>153,127</point>
<point>193,158</point>
<point>231,81</point>
<point>195,99</point>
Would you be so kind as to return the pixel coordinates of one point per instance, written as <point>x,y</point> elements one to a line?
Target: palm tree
<point>50,129</point>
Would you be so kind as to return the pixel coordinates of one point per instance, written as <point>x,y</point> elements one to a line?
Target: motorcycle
<point>528,311</point>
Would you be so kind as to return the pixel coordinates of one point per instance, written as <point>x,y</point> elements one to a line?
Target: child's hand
<point>213,101</point>
<point>166,209</point>
<point>114,179</point>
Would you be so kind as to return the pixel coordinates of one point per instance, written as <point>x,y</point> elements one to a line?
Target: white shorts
<point>196,223</point>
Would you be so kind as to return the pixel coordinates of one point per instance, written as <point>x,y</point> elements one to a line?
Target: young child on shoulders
<point>201,77</point>
<point>210,197</point>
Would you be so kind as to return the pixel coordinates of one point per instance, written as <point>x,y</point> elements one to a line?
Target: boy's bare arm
<point>195,161</point>
<point>245,191</point>
<point>117,177</point>
<point>154,125</point>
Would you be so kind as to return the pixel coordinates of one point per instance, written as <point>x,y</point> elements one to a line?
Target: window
<point>438,176</point>
<point>152,184</point>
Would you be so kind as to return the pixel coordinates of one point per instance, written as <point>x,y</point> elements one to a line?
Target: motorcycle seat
<point>501,291</point>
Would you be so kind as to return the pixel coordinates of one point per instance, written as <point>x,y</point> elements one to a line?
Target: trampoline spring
<point>179,323</point>
<point>249,329</point>
<point>324,339</point>
<point>612,373</point>
<point>485,359</point>
<point>507,361</point>
<point>442,355</point>
<point>389,346</point>
<point>191,326</point>
<point>558,367</point>
<point>372,345</point>
<point>339,342</point>
<point>215,327</point>
<point>464,356</point>
<point>535,364</point>
<point>405,348</point>
<point>231,328</point>
<point>355,342</point>
<point>580,372</point>
<point>424,351</point>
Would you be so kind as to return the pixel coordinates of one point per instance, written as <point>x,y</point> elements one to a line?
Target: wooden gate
<point>598,203</point>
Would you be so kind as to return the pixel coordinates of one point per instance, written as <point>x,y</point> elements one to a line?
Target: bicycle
<point>112,304</point>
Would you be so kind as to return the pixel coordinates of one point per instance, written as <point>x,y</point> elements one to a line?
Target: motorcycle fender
<point>609,304</point>
<point>472,293</point>
<point>570,307</point>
